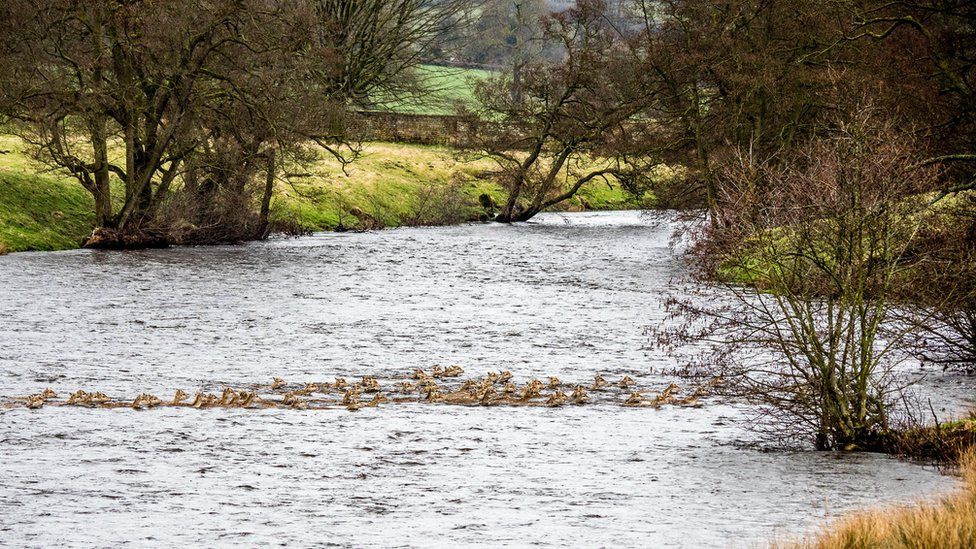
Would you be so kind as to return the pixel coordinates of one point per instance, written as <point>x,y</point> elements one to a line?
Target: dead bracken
<point>439,387</point>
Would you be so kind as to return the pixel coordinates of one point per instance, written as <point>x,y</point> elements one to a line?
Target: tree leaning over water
<point>553,126</point>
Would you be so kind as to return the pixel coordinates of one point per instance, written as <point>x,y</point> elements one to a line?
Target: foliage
<point>205,98</point>
<point>392,184</point>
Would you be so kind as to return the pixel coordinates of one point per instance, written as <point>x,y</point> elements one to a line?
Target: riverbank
<point>946,523</point>
<point>391,185</point>
<point>945,443</point>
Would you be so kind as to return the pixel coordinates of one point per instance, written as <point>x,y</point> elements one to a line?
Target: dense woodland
<point>828,149</point>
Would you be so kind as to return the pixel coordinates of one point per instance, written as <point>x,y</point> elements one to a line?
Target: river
<point>570,295</point>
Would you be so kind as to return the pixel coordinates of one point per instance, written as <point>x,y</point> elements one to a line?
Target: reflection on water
<point>567,296</point>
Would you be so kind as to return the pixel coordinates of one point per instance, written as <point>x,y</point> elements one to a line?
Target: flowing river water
<point>570,295</point>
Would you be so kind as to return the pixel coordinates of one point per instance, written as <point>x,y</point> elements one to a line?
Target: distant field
<point>447,87</point>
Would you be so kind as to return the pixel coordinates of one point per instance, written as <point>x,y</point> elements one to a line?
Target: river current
<point>570,295</point>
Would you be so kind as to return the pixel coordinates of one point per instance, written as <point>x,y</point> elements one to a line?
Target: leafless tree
<point>823,237</point>
<point>195,103</point>
<point>565,124</point>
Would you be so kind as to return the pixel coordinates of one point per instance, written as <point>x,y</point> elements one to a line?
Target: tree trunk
<point>266,199</point>
<point>102,190</point>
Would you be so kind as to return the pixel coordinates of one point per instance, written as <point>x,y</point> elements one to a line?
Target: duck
<point>48,394</point>
<point>626,382</point>
<point>276,383</point>
<point>145,400</point>
<point>488,396</point>
<point>599,383</point>
<point>203,400</point>
<point>450,371</point>
<point>292,400</point>
<point>433,395</point>
<point>340,384</point>
<point>369,384</point>
<point>667,396</point>
<point>246,398</point>
<point>554,382</point>
<point>377,400</point>
<point>504,376</point>
<point>35,401</point>
<point>179,397</point>
<point>419,374</point>
<point>351,395</point>
<point>510,388</point>
<point>635,399</point>
<point>558,398</point>
<point>227,397</point>
<point>98,397</point>
<point>579,395</point>
<point>532,390</point>
<point>78,398</point>
<point>405,387</point>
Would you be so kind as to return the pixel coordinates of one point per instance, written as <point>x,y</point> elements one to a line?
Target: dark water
<point>568,296</point>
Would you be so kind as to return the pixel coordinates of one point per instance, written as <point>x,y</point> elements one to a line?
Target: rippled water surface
<point>569,296</point>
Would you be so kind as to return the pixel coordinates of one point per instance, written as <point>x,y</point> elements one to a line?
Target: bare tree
<point>565,124</point>
<point>824,237</point>
<point>188,104</point>
<point>931,46</point>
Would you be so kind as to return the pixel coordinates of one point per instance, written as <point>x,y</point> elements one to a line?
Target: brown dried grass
<point>949,522</point>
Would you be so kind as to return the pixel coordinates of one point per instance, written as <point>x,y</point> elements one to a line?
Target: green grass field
<point>39,211</point>
<point>448,88</point>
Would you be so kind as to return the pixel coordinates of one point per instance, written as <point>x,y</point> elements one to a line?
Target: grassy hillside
<point>390,185</point>
<point>39,211</point>
<point>398,184</point>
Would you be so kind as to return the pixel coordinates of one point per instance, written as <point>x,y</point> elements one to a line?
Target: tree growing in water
<point>825,234</point>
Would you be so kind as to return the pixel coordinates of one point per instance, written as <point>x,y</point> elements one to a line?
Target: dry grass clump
<point>947,523</point>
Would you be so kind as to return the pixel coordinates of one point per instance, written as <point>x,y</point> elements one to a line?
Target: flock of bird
<point>440,386</point>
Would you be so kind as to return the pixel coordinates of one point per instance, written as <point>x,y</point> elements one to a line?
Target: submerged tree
<point>824,237</point>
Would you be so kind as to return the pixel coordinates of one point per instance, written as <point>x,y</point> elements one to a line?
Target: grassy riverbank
<point>391,185</point>
<point>39,211</point>
<point>947,523</point>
